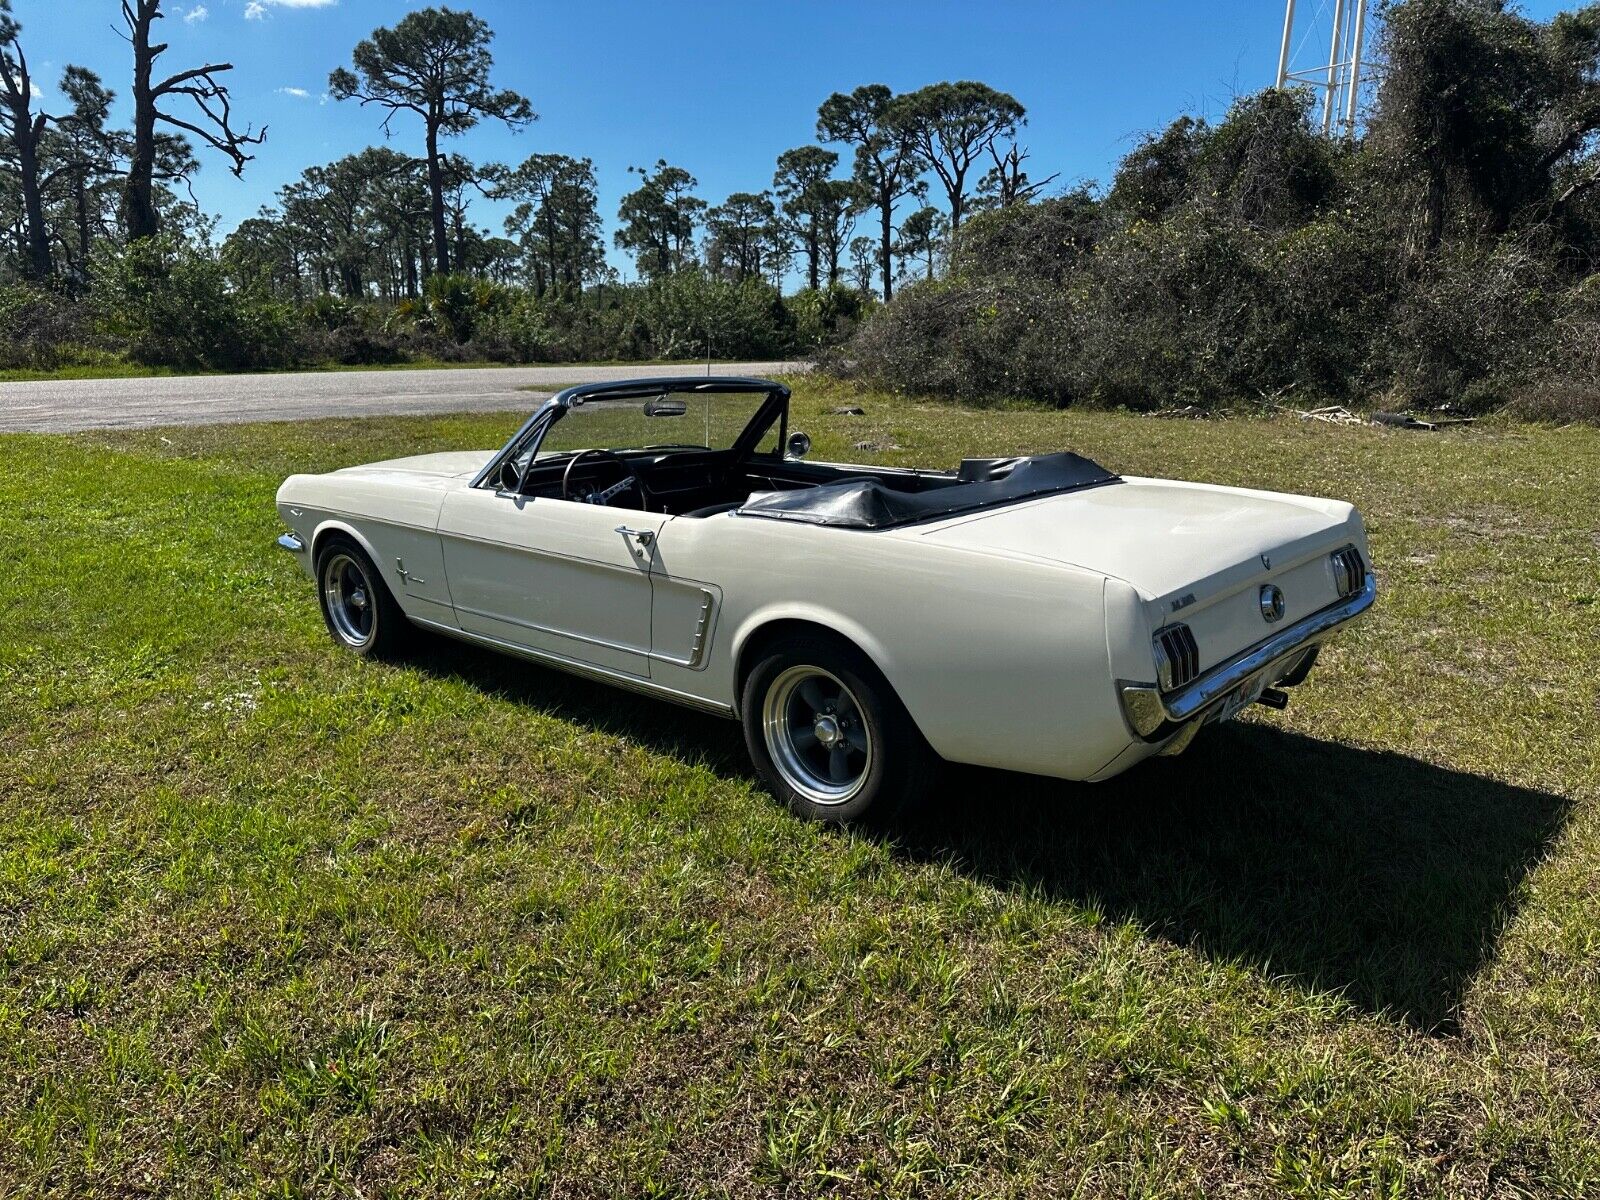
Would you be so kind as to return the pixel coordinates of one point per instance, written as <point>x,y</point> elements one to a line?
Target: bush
<point>456,305</point>
<point>690,314</point>
<point>1431,261</point>
<point>42,330</point>
<point>330,312</point>
<point>967,340</point>
<point>1472,315</point>
<point>1566,401</point>
<point>352,346</point>
<point>1562,384</point>
<point>825,316</point>
<point>172,305</point>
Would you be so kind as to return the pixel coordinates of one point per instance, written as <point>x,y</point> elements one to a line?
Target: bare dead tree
<point>24,128</point>
<point>211,123</point>
<point>1007,182</point>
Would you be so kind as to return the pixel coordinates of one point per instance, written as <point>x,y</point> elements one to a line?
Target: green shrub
<point>42,330</point>
<point>690,314</point>
<point>172,305</point>
<point>456,304</point>
<point>824,316</point>
<point>330,312</point>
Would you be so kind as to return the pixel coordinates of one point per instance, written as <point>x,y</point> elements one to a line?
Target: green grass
<point>275,921</point>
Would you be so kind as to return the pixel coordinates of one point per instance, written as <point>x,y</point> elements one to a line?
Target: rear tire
<point>360,612</point>
<point>829,736</point>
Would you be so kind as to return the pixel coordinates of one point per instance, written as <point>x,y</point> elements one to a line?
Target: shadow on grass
<point>1375,875</point>
<point>1372,874</point>
<point>684,733</point>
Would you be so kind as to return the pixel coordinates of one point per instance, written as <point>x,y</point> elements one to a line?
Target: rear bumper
<point>1156,717</point>
<point>291,542</point>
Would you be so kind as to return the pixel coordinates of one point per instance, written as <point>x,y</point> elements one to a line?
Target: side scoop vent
<point>1177,657</point>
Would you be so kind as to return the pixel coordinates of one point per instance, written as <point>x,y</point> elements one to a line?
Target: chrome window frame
<point>534,430</point>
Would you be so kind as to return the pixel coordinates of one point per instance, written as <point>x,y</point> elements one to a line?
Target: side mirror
<point>798,445</point>
<point>510,479</point>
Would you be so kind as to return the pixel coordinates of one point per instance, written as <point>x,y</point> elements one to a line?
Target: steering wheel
<point>631,479</point>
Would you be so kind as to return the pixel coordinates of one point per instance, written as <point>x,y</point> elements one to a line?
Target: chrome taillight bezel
<point>1349,571</point>
<point>1177,656</point>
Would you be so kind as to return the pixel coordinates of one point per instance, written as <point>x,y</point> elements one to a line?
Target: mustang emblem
<point>1266,561</point>
<point>1271,603</point>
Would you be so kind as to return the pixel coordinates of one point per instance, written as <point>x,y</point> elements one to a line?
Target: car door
<point>563,578</point>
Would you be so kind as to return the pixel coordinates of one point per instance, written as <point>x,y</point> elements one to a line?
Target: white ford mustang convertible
<point>1036,614</point>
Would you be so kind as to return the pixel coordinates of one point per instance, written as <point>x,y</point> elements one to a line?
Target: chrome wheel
<point>816,735</point>
<point>347,595</point>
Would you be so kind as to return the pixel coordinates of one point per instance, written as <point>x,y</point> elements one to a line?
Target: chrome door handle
<point>646,536</point>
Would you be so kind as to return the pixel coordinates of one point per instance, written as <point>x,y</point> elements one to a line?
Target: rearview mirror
<point>798,445</point>
<point>662,406</point>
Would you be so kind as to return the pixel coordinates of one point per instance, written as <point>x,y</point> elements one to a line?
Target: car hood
<point>1161,536</point>
<point>451,464</point>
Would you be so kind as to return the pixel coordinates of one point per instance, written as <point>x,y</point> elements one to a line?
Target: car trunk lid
<point>1196,553</point>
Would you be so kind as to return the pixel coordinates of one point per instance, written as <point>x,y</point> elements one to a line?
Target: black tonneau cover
<point>869,503</point>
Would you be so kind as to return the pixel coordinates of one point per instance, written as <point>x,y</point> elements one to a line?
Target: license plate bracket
<point>1242,697</point>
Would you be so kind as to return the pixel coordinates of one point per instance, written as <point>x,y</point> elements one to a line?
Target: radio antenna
<point>1339,78</point>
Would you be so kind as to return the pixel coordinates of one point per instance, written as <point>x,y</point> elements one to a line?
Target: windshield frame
<point>527,440</point>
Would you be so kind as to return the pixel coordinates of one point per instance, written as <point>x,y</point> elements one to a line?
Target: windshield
<point>697,420</point>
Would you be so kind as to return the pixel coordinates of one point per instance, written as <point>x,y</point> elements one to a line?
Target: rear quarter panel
<point>1001,662</point>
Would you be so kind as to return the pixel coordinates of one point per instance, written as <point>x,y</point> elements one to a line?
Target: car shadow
<point>1371,874</point>
<point>684,733</point>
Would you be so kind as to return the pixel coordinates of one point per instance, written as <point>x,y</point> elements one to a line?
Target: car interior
<point>698,482</point>
<point>762,475</point>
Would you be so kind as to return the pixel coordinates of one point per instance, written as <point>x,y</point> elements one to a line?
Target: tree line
<point>380,222</point>
<point>1445,254</point>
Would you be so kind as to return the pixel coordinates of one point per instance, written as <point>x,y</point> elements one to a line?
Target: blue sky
<point>717,87</point>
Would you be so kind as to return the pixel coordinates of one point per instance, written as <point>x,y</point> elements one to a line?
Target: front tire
<point>357,606</point>
<point>828,734</point>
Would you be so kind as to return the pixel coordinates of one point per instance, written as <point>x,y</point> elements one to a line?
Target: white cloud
<point>258,9</point>
<point>297,93</point>
<point>198,13</point>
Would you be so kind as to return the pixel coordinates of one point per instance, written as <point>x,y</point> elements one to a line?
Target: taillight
<point>1177,657</point>
<point>1349,572</point>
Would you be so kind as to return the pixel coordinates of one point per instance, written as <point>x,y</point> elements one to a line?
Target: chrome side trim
<point>291,542</point>
<point>622,647</point>
<point>587,670</point>
<point>1154,716</point>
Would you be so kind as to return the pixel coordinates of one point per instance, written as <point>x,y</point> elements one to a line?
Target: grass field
<point>274,921</point>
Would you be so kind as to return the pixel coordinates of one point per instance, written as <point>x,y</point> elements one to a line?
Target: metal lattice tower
<point>1339,78</point>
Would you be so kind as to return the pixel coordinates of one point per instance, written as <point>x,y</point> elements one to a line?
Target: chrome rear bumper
<point>291,542</point>
<point>1155,717</point>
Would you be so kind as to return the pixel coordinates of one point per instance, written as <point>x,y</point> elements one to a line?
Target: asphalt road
<point>61,406</point>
